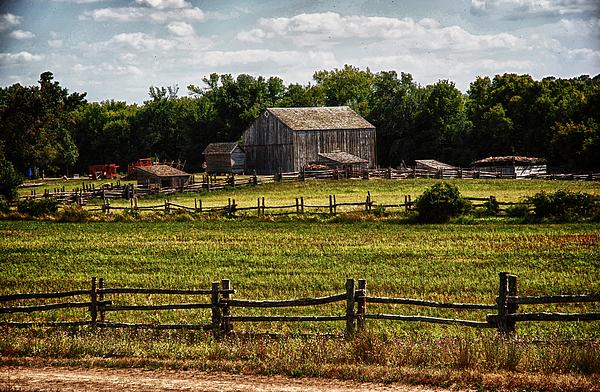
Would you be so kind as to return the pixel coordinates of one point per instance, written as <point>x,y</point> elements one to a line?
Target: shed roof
<point>163,171</point>
<point>220,148</point>
<point>432,163</point>
<point>342,157</point>
<point>318,118</point>
<point>510,159</point>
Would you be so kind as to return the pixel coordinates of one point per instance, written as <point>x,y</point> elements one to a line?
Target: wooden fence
<point>211,183</point>
<point>296,207</point>
<point>354,312</point>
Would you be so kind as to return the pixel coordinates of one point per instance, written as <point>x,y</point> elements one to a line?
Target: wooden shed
<point>432,165</point>
<point>518,166</point>
<point>341,160</point>
<point>164,176</point>
<point>224,158</point>
<point>287,139</point>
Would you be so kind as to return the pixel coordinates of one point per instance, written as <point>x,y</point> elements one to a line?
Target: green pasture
<point>294,259</point>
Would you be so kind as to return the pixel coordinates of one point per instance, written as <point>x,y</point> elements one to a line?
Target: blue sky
<point>116,49</point>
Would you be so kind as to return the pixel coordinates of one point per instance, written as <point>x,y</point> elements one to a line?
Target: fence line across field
<point>211,183</point>
<point>355,312</point>
<point>299,206</point>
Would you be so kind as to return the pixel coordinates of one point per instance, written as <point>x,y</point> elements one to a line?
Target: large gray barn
<point>286,139</point>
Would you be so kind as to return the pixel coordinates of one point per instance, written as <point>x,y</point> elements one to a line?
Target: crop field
<point>299,258</point>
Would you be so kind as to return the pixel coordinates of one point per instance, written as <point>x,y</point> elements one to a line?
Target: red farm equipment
<point>106,171</point>
<point>139,163</point>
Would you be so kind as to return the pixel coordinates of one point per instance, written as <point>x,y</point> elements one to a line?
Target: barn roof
<point>342,157</point>
<point>318,118</point>
<point>432,163</point>
<point>220,148</point>
<point>163,171</point>
<point>509,159</point>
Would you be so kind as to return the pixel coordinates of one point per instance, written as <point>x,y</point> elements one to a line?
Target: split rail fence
<point>356,303</point>
<point>296,207</point>
<point>111,190</point>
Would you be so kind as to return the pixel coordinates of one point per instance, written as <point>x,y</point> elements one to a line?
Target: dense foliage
<point>44,128</point>
<point>440,203</point>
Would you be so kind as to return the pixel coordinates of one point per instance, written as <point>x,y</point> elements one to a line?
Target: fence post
<point>361,299</point>
<point>302,204</point>
<point>214,305</point>
<point>101,298</point>
<point>334,206</point>
<point>350,293</point>
<point>94,302</point>
<point>330,205</point>
<point>226,325</point>
<point>511,306</point>
<point>508,287</point>
<point>263,206</point>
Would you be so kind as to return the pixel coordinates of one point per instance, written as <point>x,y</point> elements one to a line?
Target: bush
<point>562,205</point>
<point>73,213</point>
<point>39,207</point>
<point>4,206</point>
<point>440,203</point>
<point>518,211</point>
<point>10,179</point>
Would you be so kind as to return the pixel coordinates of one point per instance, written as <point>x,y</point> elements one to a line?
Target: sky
<point>117,49</point>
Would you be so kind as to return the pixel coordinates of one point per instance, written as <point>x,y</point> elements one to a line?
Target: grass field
<point>296,258</point>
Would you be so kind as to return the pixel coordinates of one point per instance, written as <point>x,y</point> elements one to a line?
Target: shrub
<point>4,206</point>
<point>562,205</point>
<point>440,203</point>
<point>39,207</point>
<point>10,179</point>
<point>518,211</point>
<point>73,213</point>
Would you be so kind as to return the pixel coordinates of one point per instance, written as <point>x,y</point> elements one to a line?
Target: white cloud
<point>254,36</point>
<point>580,27</point>
<point>520,9</point>
<point>8,21</point>
<point>585,54</point>
<point>181,29</point>
<point>21,34</point>
<point>158,11</point>
<point>55,43</point>
<point>139,41</point>
<point>107,68</point>
<point>19,58</point>
<point>256,56</point>
<point>325,29</point>
<point>163,4</point>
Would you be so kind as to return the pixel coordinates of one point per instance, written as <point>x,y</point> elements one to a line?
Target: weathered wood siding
<point>144,178</point>
<point>226,163</point>
<point>308,144</point>
<point>268,145</point>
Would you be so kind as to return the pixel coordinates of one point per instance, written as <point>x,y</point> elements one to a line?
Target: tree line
<point>46,128</point>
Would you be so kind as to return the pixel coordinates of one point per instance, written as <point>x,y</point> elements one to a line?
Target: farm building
<point>164,176</point>
<point>224,158</point>
<point>287,139</point>
<point>517,166</point>
<point>432,165</point>
<point>344,161</point>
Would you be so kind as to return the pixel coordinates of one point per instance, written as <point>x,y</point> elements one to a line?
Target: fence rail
<point>223,308</point>
<point>108,191</point>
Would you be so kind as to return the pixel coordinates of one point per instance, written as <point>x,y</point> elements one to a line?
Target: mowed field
<point>297,258</point>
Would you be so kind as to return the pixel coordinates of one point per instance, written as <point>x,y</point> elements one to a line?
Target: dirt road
<point>16,378</point>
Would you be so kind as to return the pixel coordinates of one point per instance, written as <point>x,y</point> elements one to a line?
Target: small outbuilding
<point>432,165</point>
<point>343,161</point>
<point>224,158</point>
<point>517,166</point>
<point>164,176</point>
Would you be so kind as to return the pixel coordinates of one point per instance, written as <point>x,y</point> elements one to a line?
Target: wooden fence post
<point>226,325</point>
<point>508,287</point>
<point>512,307</point>
<point>350,293</point>
<point>361,299</point>
<point>94,302</point>
<point>302,204</point>
<point>263,206</point>
<point>334,206</point>
<point>297,207</point>
<point>330,205</point>
<point>215,305</point>
<point>101,299</point>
